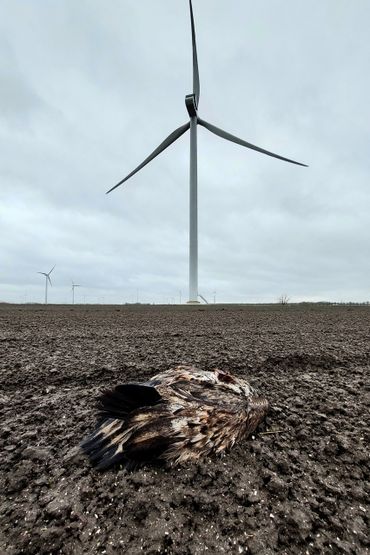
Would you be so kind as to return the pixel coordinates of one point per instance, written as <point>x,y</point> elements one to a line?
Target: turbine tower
<point>74,285</point>
<point>47,280</point>
<point>192,103</point>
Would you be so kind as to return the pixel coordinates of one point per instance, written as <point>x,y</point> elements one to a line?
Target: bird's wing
<point>205,387</point>
<point>123,411</point>
<point>124,399</point>
<point>202,393</point>
<point>201,431</point>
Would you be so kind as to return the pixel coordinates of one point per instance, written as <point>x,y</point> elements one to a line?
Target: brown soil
<point>301,489</point>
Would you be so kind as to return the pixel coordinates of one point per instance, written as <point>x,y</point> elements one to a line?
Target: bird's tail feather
<point>136,440</point>
<point>133,427</point>
<point>104,446</point>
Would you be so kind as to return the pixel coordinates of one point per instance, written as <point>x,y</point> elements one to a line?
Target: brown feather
<point>179,415</point>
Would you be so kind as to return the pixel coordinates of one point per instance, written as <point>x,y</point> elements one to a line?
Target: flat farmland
<point>299,485</point>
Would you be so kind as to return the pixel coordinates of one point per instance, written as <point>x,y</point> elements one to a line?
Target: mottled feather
<point>179,415</point>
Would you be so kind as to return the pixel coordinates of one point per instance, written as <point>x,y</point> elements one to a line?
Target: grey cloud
<point>89,89</point>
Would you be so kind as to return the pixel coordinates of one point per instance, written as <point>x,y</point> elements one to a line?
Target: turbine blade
<point>166,143</point>
<point>196,82</point>
<point>42,273</point>
<point>233,139</point>
<point>49,280</point>
<point>52,269</point>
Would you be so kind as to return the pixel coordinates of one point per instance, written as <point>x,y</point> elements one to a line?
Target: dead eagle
<point>179,415</point>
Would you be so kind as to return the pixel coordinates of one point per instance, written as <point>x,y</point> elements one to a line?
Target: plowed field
<point>300,488</point>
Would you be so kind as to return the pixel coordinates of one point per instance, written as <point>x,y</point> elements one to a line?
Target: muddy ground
<point>303,489</point>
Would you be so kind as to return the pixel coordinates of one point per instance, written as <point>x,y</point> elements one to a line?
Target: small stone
<point>4,399</point>
<point>20,476</point>
<point>292,419</point>
<point>277,486</point>
<point>254,496</point>
<point>301,521</point>
<point>5,432</point>
<point>41,481</point>
<point>31,515</point>
<point>302,434</point>
<point>29,435</point>
<point>58,507</point>
<point>73,456</point>
<point>36,453</point>
<point>39,416</point>
<point>50,388</point>
<point>343,444</point>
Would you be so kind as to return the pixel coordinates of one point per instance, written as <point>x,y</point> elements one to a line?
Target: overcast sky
<point>88,89</point>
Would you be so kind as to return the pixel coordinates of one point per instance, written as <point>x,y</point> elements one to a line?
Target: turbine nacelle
<point>191,105</point>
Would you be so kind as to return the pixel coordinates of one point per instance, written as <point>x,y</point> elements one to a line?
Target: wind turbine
<point>47,280</point>
<point>73,291</point>
<point>192,103</point>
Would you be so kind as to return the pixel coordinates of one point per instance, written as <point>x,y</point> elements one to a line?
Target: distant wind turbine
<point>74,285</point>
<point>192,102</point>
<point>47,280</point>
